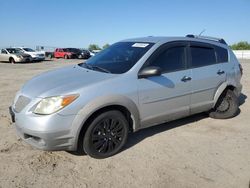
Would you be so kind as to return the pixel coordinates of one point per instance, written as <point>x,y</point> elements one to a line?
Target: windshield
<point>14,50</point>
<point>28,50</point>
<point>118,58</point>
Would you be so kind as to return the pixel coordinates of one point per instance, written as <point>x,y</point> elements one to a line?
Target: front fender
<point>105,101</point>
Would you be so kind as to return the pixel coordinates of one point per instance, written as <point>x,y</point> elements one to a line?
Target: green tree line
<point>96,47</point>
<point>243,45</point>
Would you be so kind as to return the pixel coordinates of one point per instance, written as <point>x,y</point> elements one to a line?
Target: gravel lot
<point>193,152</point>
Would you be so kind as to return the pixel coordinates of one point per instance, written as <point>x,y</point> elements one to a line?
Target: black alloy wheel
<point>106,135</point>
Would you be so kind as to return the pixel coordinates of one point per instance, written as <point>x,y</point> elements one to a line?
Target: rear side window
<point>172,59</point>
<point>222,54</point>
<point>202,56</point>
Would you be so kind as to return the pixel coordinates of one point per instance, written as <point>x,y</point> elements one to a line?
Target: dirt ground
<point>193,152</point>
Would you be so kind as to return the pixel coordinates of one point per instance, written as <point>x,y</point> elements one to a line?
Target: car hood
<point>63,81</point>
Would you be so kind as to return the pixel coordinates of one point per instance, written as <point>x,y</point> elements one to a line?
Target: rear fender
<point>220,90</point>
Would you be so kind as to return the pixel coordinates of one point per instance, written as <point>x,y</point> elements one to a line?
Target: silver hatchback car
<point>91,107</point>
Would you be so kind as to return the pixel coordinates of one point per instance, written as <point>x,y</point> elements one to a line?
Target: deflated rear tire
<point>106,135</point>
<point>226,107</point>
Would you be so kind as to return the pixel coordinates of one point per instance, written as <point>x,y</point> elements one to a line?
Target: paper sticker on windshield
<point>140,45</point>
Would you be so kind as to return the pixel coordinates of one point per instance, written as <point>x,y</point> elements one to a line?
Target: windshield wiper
<point>94,67</point>
<point>87,66</point>
<point>100,68</point>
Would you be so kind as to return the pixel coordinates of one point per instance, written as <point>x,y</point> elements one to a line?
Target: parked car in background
<point>85,54</point>
<point>14,55</point>
<point>49,55</point>
<point>91,53</point>
<point>65,53</point>
<point>36,56</point>
<point>131,85</point>
<point>69,53</point>
<point>95,51</point>
<point>80,53</point>
<point>48,51</point>
<point>76,51</point>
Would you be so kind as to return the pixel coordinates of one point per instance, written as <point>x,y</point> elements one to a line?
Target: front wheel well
<point>86,124</point>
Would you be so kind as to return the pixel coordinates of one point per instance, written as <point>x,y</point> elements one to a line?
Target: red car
<point>64,53</point>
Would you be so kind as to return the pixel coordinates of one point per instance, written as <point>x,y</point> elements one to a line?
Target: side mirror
<point>149,71</point>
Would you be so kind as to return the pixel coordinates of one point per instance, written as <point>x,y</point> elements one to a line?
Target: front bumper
<point>38,58</point>
<point>23,60</point>
<point>50,132</point>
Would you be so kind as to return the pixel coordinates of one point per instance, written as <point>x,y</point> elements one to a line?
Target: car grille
<point>21,103</point>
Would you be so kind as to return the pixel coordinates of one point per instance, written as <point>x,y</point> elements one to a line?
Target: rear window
<point>202,56</point>
<point>222,54</point>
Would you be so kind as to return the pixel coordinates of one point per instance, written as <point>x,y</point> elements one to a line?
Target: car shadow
<point>135,138</point>
<point>47,59</point>
<point>19,63</point>
<point>242,99</point>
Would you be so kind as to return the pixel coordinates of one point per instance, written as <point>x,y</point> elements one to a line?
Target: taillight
<point>241,69</point>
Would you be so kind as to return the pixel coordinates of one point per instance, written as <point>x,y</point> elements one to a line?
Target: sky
<point>78,23</point>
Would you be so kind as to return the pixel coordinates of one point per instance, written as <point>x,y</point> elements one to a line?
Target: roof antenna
<point>202,32</point>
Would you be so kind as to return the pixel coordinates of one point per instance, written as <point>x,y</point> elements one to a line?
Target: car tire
<point>226,107</point>
<point>106,135</point>
<point>12,60</point>
<point>66,57</point>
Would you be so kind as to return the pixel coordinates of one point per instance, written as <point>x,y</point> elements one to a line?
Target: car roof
<point>162,39</point>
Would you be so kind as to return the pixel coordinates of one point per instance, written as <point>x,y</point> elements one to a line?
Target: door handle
<point>186,78</point>
<point>220,72</point>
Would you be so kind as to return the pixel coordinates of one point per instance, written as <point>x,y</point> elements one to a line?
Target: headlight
<point>51,105</point>
<point>19,56</point>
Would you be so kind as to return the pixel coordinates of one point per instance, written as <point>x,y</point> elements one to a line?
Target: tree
<point>94,47</point>
<point>105,46</point>
<point>243,45</point>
